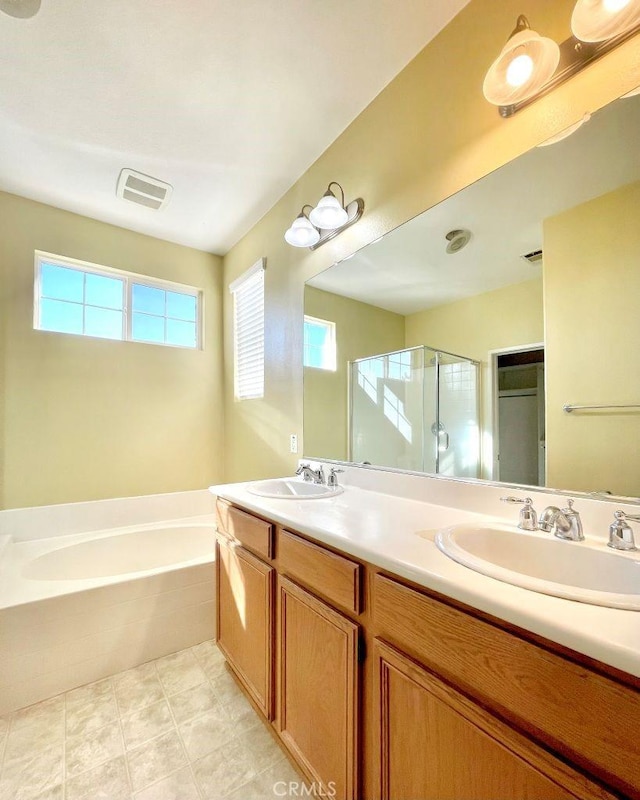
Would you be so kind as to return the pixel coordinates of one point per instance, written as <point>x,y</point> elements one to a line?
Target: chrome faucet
<point>528,517</point>
<point>332,480</point>
<point>311,475</point>
<point>564,522</point>
<point>621,534</point>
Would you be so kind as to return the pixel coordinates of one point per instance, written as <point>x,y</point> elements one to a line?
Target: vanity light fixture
<point>526,63</point>
<point>531,65</point>
<point>302,233</point>
<point>23,9</point>
<point>558,137</point>
<point>599,20</point>
<point>329,218</point>
<point>330,213</point>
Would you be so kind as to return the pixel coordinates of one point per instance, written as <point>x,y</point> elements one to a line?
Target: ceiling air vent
<point>534,257</point>
<point>143,189</point>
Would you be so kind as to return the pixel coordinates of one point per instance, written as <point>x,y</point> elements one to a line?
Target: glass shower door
<point>455,432</point>
<point>386,406</point>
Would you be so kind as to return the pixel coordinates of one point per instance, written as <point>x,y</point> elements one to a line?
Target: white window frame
<point>331,326</point>
<point>246,281</point>
<point>129,278</point>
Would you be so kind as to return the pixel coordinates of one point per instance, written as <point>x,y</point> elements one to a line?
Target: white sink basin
<point>538,561</point>
<point>293,489</point>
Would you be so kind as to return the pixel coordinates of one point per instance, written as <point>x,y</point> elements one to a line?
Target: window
<point>248,332</point>
<point>84,299</point>
<point>319,343</point>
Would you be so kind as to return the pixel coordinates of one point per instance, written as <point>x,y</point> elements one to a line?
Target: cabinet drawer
<point>587,717</point>
<point>254,533</point>
<point>335,577</point>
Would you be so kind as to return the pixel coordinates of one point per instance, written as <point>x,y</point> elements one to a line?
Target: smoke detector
<point>457,240</point>
<point>143,189</point>
<point>23,9</point>
<point>534,257</point>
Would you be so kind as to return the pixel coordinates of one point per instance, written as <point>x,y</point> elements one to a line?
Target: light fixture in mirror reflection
<point>547,331</point>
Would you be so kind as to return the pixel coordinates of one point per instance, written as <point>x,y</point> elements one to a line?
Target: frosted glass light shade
<point>564,134</point>
<point>302,233</point>
<point>328,214</point>
<point>526,63</point>
<point>23,9</point>
<point>598,20</point>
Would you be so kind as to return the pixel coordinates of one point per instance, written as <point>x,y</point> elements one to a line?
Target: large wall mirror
<point>469,363</point>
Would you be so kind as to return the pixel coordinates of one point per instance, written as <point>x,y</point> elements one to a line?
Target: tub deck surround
<point>37,569</point>
<point>390,520</point>
<point>77,605</point>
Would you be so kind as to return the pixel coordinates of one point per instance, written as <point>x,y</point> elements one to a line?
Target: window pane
<point>145,328</point>
<point>146,298</point>
<point>317,334</point>
<point>62,283</point>
<point>103,323</point>
<point>314,358</point>
<point>106,292</point>
<point>181,306</point>
<point>181,333</point>
<point>59,316</point>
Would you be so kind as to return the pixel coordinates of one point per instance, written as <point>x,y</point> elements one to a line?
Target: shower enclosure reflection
<point>415,409</point>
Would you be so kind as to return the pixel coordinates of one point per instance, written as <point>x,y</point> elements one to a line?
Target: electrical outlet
<point>293,443</point>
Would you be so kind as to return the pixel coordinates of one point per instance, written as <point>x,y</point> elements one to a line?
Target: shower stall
<point>416,409</point>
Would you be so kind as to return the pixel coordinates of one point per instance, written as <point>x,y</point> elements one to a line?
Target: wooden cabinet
<point>435,744</point>
<point>245,620</point>
<point>450,703</point>
<point>318,710</point>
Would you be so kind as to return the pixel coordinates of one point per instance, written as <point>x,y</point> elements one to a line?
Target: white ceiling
<point>408,270</point>
<point>230,101</point>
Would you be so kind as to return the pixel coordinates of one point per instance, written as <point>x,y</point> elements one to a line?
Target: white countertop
<point>395,533</point>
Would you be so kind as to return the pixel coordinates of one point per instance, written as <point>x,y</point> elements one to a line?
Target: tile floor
<point>173,729</point>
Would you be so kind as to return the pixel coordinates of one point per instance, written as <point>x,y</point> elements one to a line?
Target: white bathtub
<point>76,608</point>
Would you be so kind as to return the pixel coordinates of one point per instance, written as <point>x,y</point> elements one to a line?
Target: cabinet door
<point>319,689</point>
<point>245,590</point>
<point>435,744</point>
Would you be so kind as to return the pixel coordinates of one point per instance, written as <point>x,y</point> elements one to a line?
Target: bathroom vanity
<point>388,671</point>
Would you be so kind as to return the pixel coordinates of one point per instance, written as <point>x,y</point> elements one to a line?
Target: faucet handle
<point>528,517</point>
<point>332,480</point>
<point>620,533</point>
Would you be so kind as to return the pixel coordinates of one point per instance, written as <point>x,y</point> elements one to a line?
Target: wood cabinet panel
<point>254,533</point>
<point>585,716</point>
<point>319,689</point>
<point>434,744</point>
<point>333,576</point>
<point>246,621</point>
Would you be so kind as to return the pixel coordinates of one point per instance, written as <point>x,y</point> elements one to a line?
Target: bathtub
<point>78,607</point>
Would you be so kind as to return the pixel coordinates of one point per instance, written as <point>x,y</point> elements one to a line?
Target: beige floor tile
<point>91,715</point>
<point>155,759</point>
<point>210,658</point>
<point>79,697</point>
<point>109,781</point>
<point>180,671</point>
<point>145,724</point>
<point>178,786</point>
<point>223,771</point>
<point>225,687</point>
<point>88,750</point>
<point>36,727</point>
<point>31,774</point>
<point>203,734</point>
<point>138,688</point>
<point>260,747</point>
<point>54,793</point>
<point>241,714</point>
<point>193,702</point>
<point>278,781</point>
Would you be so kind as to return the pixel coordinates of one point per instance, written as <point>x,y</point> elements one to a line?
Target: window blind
<point>248,303</point>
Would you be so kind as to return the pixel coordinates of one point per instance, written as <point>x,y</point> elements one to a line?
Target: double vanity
<point>405,640</point>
